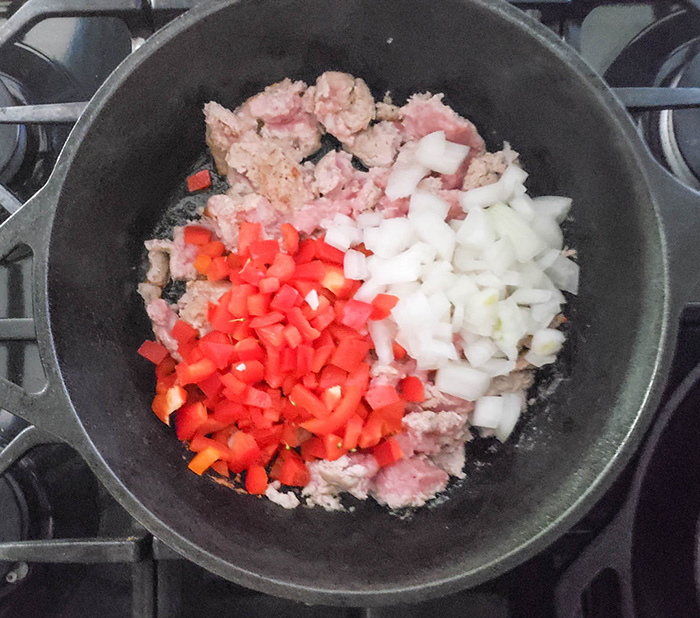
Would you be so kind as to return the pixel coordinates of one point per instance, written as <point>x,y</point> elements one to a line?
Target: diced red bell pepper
<point>256,397</point>
<point>164,404</point>
<point>238,300</point>
<point>272,367</point>
<point>249,349</point>
<point>183,331</point>
<point>264,250</point>
<point>220,353</point>
<point>258,304</point>
<point>294,472</point>
<point>380,396</point>
<point>271,335</point>
<point>248,233</point>
<point>166,382</point>
<point>310,271</point>
<point>288,360</point>
<point>201,264</point>
<point>198,181</point>
<point>303,397</point>
<point>387,452</point>
<point>197,235</point>
<point>336,419</point>
<point>250,273</point>
<point>305,356</point>
<point>220,467</point>
<point>191,373</point>
<point>352,432</point>
<point>269,285</point>
<point>234,262</point>
<point>391,416</point>
<point>212,386</point>
<point>266,320</point>
<point>218,269</point>
<point>282,267</point>
<point>332,376</point>
<point>371,431</point>
<point>333,447</point>
<point>165,367</point>
<point>233,384</point>
<point>256,480</point>
<point>203,460</point>
<point>244,451</point>
<point>285,299</point>
<point>214,248</point>
<point>248,372</point>
<point>306,252</point>
<point>310,381</point>
<point>412,389</point>
<point>189,419</point>
<point>229,411</point>
<point>200,442</point>
<point>335,281</point>
<point>153,351</point>
<point>296,318</point>
<point>321,356</point>
<point>398,350</point>
<point>290,238</point>
<point>382,304</point>
<point>222,319</point>
<point>241,329</point>
<point>323,319</point>
<point>350,353</point>
<point>331,397</point>
<point>355,313</point>
<point>292,336</point>
<point>327,253</point>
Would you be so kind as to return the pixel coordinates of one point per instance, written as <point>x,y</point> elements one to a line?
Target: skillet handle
<point>50,409</point>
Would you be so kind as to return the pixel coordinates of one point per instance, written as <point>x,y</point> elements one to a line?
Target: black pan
<point>632,224</point>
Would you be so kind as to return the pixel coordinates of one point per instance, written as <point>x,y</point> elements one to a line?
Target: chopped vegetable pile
<point>346,330</point>
<point>282,376</point>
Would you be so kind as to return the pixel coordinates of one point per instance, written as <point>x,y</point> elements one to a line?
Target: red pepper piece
<point>336,420</point>
<point>285,299</point>
<point>290,238</point>
<point>352,432</point>
<point>189,419</point>
<point>229,411</point>
<point>198,181</point>
<point>294,472</point>
<point>303,397</point>
<point>327,253</point>
<point>282,267</point>
<point>292,336</point>
<point>387,452</point>
<point>218,269</point>
<point>332,376</point>
<point>350,353</point>
<point>379,396</point>
<point>197,235</point>
<point>203,460</point>
<point>305,356</point>
<point>248,372</point>
<point>269,285</point>
<point>271,335</point>
<point>164,404</point>
<point>256,480</point>
<point>296,318</point>
<point>183,331</point>
<point>244,451</point>
<point>382,305</point>
<point>214,248</point>
<point>306,252</point>
<point>201,264</point>
<point>191,373</point>
<point>153,351</point>
<point>248,233</point>
<point>264,250</point>
<point>274,317</point>
<point>355,313</point>
<point>220,353</point>
<point>412,389</point>
<point>249,349</point>
<point>310,271</point>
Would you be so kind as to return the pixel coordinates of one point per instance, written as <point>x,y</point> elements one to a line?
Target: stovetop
<point>68,550</point>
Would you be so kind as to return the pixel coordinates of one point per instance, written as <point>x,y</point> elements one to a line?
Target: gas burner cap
<point>686,125</point>
<point>12,140</point>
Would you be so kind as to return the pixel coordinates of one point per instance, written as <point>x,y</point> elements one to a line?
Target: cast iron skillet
<point>632,224</point>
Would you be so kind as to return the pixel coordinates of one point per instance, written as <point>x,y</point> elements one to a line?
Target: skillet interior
<point>513,87</point>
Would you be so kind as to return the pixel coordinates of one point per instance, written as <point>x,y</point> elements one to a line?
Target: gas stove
<point>68,550</point>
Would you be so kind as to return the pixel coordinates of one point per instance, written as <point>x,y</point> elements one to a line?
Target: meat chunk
<point>484,169</point>
<point>386,110</point>
<point>351,473</point>
<point>438,401</point>
<point>409,482</point>
<point>224,127</point>
<point>285,500</point>
<point>426,113</point>
<point>222,212</point>
<point>163,318</point>
<point>270,170</point>
<point>343,104</point>
<point>158,259</point>
<point>377,145</point>
<point>182,257</point>
<point>514,382</point>
<point>194,302</point>
<point>285,120</point>
<point>148,291</point>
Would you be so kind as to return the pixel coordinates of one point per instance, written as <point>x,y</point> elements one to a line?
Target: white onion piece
<point>483,196</point>
<point>390,238</point>
<point>368,290</point>
<point>522,204</point>
<point>531,296</point>
<point>539,361</point>
<point>547,341</point>
<point>457,318</point>
<point>548,230</point>
<point>383,333</point>
<point>439,155</point>
<point>498,367</point>
<point>475,230</point>
<point>510,413</point>
<point>312,299</point>
<point>509,224</point>
<point>404,179</point>
<point>435,232</point>
<point>343,237</point>
<point>369,219</point>
<point>547,258</point>
<point>487,412</point>
<point>553,206</point>
<point>461,380</point>
<point>480,351</point>
<point>426,202</point>
<point>564,274</point>
<point>512,181</point>
<point>403,267</point>
<point>355,265</point>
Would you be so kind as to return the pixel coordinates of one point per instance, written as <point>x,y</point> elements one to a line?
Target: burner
<point>666,53</point>
<point>13,140</point>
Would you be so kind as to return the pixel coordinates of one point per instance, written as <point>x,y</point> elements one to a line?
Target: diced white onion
<point>355,265</point>
<point>553,206</point>
<point>510,413</point>
<point>312,299</point>
<point>404,179</point>
<point>439,155</point>
<point>461,380</point>
<point>547,341</point>
<point>382,333</point>
<point>487,412</point>
<point>564,274</point>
